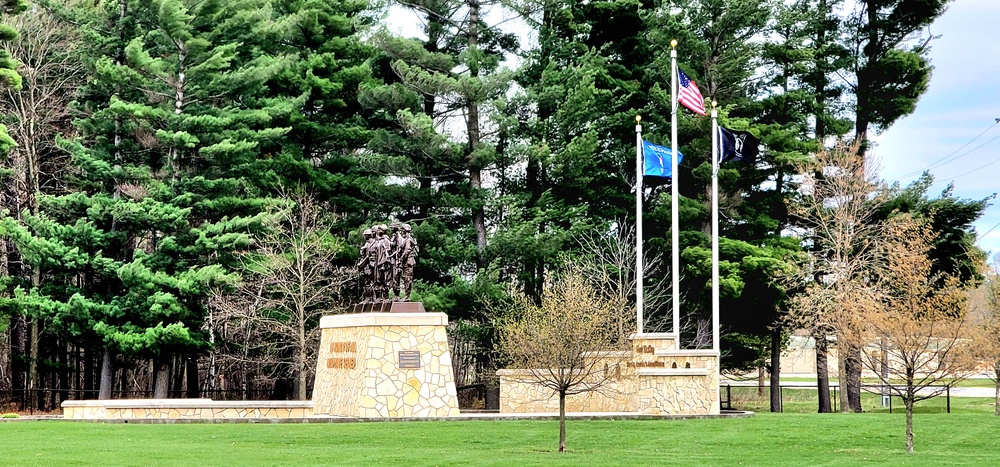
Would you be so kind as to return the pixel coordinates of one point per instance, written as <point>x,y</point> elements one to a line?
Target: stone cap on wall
<point>672,371</point>
<point>654,336</point>
<point>608,353</point>
<point>383,319</point>
<point>523,372</point>
<point>687,353</point>
<point>185,404</point>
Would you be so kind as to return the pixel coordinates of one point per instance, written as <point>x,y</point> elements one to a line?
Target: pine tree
<point>163,162</point>
<point>890,65</point>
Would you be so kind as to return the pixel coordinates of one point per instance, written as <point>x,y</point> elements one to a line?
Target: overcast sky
<point>963,102</point>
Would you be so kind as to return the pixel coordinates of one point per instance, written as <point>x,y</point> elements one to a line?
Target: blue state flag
<point>657,159</point>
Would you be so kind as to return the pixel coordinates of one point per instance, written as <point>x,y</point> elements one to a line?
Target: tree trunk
<point>909,419</point>
<point>193,383</point>
<point>562,421</point>
<point>161,379</point>
<point>472,126</point>
<point>177,373</point>
<point>996,392</point>
<point>18,346</point>
<point>63,374</point>
<point>173,155</point>
<point>776,369</point>
<point>760,381</point>
<point>822,374</point>
<point>86,373</point>
<point>884,370</point>
<point>820,79</point>
<point>853,367</point>
<point>300,376</point>
<point>845,405</point>
<point>34,394</point>
<point>107,375</point>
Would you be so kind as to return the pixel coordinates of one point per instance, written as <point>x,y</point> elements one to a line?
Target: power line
<point>978,168</point>
<point>939,162</point>
<point>980,237</point>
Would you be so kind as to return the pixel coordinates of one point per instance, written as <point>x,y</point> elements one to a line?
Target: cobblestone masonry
<point>385,365</point>
<point>655,378</point>
<point>184,409</point>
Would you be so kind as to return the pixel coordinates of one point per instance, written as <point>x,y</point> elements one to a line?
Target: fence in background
<point>803,397</point>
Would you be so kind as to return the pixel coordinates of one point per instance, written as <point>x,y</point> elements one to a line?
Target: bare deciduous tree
<point>557,344</point>
<point>609,265</point>
<point>988,332</point>
<point>920,325</point>
<point>271,321</point>
<point>835,216</point>
<point>35,113</point>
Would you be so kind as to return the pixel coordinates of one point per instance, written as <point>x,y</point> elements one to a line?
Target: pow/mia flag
<point>737,146</point>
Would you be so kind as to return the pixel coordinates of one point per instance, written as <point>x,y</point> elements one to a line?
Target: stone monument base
<point>385,365</point>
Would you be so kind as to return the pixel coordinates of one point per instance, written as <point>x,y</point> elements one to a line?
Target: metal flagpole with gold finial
<point>715,243</point>
<point>715,227</point>
<point>639,270</point>
<point>675,260</point>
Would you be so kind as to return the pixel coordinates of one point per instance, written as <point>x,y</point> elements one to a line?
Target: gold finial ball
<point>638,118</point>
<point>714,104</point>
<point>673,42</point>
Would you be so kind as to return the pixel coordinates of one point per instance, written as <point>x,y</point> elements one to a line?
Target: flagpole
<point>715,249</point>
<point>675,260</point>
<point>639,271</point>
<point>715,227</point>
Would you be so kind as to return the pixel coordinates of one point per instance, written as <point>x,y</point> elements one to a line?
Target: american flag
<point>689,95</point>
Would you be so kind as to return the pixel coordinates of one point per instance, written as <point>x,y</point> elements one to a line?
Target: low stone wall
<point>653,378</point>
<point>682,391</point>
<point>201,409</point>
<point>385,365</point>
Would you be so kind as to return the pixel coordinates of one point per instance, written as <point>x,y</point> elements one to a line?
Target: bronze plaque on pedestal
<point>408,359</point>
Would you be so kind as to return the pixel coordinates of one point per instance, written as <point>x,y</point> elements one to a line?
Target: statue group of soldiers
<point>386,263</point>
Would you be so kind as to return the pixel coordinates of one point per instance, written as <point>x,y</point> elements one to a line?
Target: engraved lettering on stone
<point>343,347</point>
<point>408,359</point>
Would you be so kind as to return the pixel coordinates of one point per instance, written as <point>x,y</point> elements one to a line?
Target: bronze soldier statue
<point>383,262</point>
<point>407,259</point>
<point>366,269</point>
<point>395,239</point>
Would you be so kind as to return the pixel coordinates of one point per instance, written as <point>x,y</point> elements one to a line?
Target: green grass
<point>795,400</point>
<point>765,439</point>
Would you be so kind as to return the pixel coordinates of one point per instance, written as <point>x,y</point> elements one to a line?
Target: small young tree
<point>988,332</point>
<point>921,323</point>
<point>555,343</point>
<point>289,281</point>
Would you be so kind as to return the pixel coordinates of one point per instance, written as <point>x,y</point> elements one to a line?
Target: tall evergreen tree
<point>165,197</point>
<point>890,65</point>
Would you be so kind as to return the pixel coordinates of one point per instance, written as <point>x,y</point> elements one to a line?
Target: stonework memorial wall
<point>654,378</point>
<point>385,365</point>
<point>196,409</point>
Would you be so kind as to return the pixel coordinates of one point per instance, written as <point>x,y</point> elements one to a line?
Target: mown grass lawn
<point>765,439</point>
<point>804,400</point>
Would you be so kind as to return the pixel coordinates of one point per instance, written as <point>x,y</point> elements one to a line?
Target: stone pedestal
<point>385,365</point>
